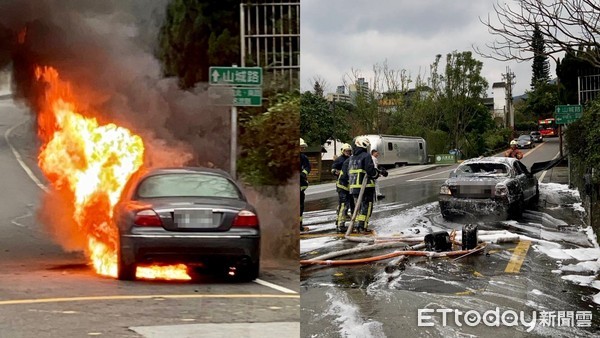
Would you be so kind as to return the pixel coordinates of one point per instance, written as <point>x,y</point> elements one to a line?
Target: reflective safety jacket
<point>338,166</point>
<point>516,153</point>
<point>304,171</point>
<point>361,167</point>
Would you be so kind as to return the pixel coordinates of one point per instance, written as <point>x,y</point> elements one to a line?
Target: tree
<point>461,99</point>
<point>198,34</point>
<point>540,67</point>
<point>565,25</point>
<point>316,120</point>
<point>568,70</point>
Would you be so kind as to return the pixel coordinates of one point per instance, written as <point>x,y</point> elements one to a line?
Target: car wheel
<point>125,271</point>
<point>247,273</point>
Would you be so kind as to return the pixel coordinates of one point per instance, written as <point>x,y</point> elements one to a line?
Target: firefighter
<point>513,151</point>
<point>360,168</point>
<point>345,199</point>
<point>304,171</point>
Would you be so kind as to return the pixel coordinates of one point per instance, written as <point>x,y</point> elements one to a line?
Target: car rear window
<point>485,169</point>
<point>187,185</point>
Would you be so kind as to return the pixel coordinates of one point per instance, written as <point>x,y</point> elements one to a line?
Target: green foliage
<point>497,138</point>
<point>195,35</point>
<point>583,139</point>
<point>541,66</point>
<point>437,142</point>
<point>526,126</point>
<point>461,98</point>
<point>540,102</point>
<point>568,70</point>
<point>271,157</point>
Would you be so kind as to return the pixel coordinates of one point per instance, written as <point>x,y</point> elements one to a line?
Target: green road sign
<point>568,109</point>
<point>445,159</point>
<point>567,118</point>
<point>567,113</point>
<point>235,96</point>
<point>247,96</point>
<point>235,76</point>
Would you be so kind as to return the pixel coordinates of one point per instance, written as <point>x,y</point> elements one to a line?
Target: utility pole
<point>509,77</point>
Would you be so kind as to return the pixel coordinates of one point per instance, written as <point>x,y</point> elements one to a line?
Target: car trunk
<point>197,214</point>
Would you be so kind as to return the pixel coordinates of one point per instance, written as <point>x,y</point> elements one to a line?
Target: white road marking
<point>422,177</point>
<point>20,160</point>
<point>274,286</point>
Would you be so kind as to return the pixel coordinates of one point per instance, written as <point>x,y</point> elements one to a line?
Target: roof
<point>494,159</point>
<point>498,85</point>
<point>186,170</point>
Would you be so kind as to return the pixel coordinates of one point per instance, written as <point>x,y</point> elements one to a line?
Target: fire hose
<point>391,255</point>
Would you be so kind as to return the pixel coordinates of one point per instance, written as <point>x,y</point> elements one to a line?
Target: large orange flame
<point>90,164</point>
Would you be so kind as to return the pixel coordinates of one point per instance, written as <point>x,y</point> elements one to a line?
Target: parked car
<point>189,216</point>
<point>498,186</point>
<point>525,141</point>
<point>536,136</point>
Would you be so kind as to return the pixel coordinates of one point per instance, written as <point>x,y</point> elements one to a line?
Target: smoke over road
<point>105,50</point>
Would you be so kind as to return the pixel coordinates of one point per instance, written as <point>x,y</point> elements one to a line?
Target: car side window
<point>522,167</point>
<point>517,168</point>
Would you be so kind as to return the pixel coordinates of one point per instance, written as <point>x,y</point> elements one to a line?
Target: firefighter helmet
<point>362,142</point>
<point>345,147</point>
<point>302,143</point>
<point>513,143</point>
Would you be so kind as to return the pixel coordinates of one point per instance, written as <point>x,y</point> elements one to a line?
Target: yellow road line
<point>130,297</point>
<point>517,258</point>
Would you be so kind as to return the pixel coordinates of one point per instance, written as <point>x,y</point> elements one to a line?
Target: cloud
<point>341,35</point>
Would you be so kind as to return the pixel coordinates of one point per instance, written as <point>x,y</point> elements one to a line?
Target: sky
<point>339,36</point>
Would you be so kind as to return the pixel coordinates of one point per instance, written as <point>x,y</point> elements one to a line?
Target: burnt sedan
<point>499,186</point>
<point>187,215</point>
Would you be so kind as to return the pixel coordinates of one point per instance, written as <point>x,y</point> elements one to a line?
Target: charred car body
<point>499,186</point>
<point>195,216</point>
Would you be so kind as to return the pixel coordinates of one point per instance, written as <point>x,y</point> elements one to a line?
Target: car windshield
<point>187,185</point>
<point>482,169</point>
<point>535,133</point>
<point>524,137</point>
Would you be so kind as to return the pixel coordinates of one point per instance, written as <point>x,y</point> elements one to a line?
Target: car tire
<point>125,271</point>
<point>249,273</point>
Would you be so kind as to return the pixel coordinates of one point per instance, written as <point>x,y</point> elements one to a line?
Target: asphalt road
<point>46,291</point>
<point>364,300</point>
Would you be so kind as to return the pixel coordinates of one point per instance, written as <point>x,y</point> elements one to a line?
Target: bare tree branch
<point>567,26</point>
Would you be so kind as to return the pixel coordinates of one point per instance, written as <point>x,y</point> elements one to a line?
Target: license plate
<point>194,218</point>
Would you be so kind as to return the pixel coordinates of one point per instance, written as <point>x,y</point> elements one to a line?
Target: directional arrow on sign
<point>215,75</point>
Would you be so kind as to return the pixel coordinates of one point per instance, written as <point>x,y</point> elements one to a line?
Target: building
<point>501,108</point>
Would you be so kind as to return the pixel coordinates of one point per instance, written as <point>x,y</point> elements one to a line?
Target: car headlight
<point>445,190</point>
<point>501,189</point>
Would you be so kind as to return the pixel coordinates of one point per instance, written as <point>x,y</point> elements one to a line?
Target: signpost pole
<point>233,154</point>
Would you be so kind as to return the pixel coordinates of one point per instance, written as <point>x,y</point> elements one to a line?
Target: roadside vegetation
<point>199,34</point>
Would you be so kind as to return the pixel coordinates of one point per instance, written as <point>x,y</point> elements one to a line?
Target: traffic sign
<point>235,96</point>
<point>567,118</point>
<point>247,96</point>
<point>568,113</point>
<point>235,76</point>
<point>568,109</point>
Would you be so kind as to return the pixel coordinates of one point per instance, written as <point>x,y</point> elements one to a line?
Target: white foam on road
<point>224,330</point>
<point>350,321</point>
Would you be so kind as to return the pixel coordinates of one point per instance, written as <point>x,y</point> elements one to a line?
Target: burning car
<point>498,186</point>
<point>186,215</point>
